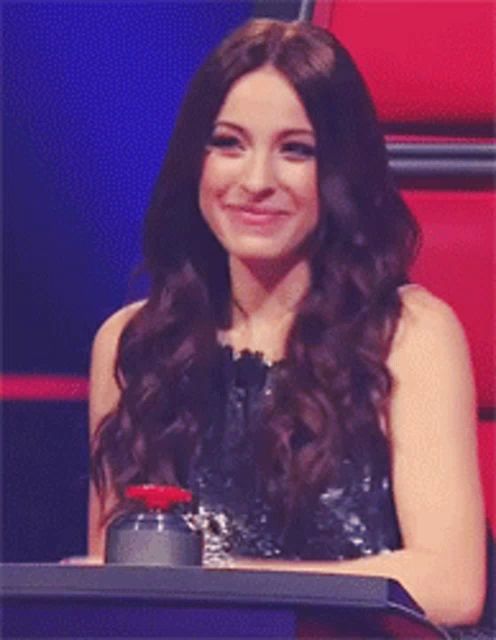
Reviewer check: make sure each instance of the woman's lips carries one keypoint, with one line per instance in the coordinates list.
(256, 216)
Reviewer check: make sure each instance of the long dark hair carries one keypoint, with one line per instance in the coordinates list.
(333, 389)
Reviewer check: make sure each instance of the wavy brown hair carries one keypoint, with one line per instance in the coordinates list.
(333, 389)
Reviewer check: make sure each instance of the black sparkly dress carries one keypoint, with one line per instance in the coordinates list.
(351, 518)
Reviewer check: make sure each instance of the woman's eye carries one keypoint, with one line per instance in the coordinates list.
(224, 142)
(298, 149)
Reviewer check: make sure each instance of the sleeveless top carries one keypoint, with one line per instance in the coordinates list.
(352, 517)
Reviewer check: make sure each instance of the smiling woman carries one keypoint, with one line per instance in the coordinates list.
(283, 367)
(258, 190)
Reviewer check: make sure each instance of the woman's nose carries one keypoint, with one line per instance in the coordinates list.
(258, 174)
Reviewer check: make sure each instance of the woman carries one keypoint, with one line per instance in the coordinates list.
(320, 407)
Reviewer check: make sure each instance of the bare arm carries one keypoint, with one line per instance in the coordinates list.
(103, 398)
(435, 470)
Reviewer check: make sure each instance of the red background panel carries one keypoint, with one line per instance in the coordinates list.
(457, 263)
(35, 388)
(486, 434)
(428, 61)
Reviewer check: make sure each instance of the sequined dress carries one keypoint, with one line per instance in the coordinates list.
(352, 518)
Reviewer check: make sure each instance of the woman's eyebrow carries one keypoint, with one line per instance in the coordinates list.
(230, 125)
(295, 132)
(284, 133)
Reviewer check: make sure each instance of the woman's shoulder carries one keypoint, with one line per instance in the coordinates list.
(104, 389)
(428, 330)
(425, 314)
(416, 299)
(111, 329)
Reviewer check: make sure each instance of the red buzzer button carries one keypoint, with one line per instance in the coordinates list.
(156, 496)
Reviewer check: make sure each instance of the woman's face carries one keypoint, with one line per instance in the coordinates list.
(258, 189)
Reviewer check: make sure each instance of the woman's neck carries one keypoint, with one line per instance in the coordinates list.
(264, 305)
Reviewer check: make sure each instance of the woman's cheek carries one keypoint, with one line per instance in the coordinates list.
(218, 173)
(215, 185)
(300, 179)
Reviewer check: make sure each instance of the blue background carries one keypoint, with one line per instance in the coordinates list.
(91, 92)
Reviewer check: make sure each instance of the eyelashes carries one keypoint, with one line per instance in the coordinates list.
(299, 149)
(224, 142)
(292, 149)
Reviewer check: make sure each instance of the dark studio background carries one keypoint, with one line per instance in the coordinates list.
(91, 92)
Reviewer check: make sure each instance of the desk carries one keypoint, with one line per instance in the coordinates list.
(55, 601)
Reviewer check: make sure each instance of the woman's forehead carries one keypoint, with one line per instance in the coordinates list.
(264, 97)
